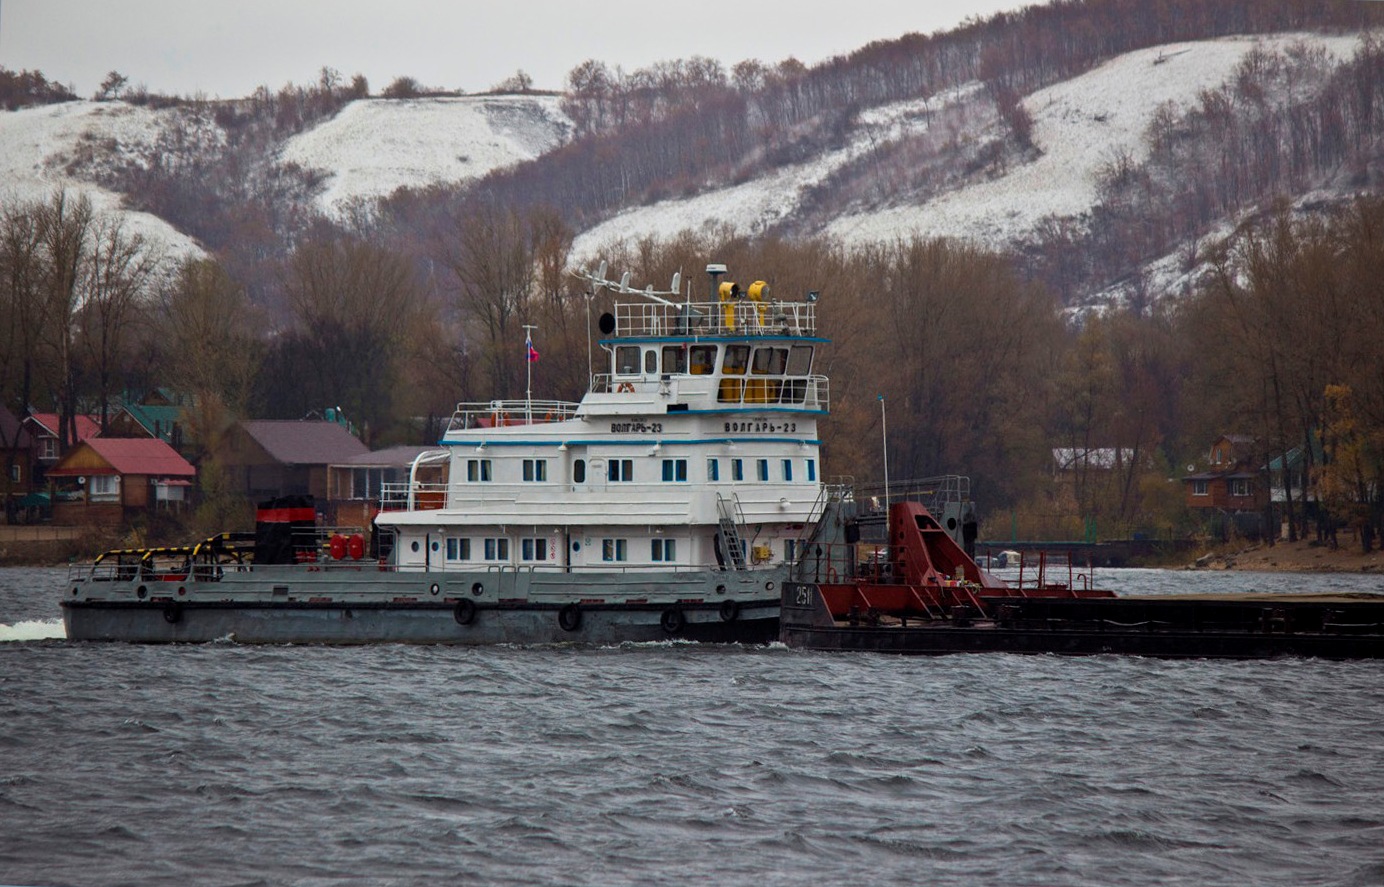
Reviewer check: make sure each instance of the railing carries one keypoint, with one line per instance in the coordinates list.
(741, 317)
(500, 413)
(809, 392)
(405, 496)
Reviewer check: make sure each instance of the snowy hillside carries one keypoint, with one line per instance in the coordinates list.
(1079, 126)
(374, 147)
(37, 145)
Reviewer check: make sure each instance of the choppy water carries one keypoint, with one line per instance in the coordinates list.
(674, 764)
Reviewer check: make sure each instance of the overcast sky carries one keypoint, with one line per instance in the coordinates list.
(226, 48)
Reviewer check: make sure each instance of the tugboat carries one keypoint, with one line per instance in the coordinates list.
(671, 502)
(923, 593)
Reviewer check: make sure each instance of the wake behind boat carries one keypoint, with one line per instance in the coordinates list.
(670, 502)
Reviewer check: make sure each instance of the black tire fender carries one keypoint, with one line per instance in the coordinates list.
(730, 610)
(464, 612)
(172, 614)
(569, 617)
(672, 621)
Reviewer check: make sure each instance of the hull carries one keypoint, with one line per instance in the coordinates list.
(293, 605)
(1322, 626)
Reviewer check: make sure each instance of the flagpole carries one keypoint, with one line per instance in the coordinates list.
(884, 434)
(528, 372)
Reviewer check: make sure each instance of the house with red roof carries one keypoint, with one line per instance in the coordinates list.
(43, 431)
(267, 458)
(117, 479)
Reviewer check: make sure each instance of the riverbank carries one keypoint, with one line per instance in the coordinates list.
(1293, 557)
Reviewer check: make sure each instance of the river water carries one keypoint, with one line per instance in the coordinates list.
(680, 763)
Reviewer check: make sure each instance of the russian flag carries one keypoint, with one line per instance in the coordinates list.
(528, 347)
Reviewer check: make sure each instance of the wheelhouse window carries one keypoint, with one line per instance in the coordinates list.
(535, 470)
(702, 359)
(737, 358)
(674, 360)
(627, 360)
(651, 362)
(620, 470)
(478, 470)
(663, 550)
(674, 470)
(614, 550)
(770, 361)
(799, 360)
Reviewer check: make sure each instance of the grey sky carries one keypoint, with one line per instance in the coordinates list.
(228, 47)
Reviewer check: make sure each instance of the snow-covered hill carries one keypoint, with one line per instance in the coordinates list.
(373, 147)
(37, 146)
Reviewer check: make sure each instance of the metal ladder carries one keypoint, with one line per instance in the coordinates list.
(728, 509)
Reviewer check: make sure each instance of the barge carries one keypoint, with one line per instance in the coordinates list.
(924, 594)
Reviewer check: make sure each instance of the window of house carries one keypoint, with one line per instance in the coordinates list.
(497, 549)
(1239, 487)
(663, 550)
(737, 469)
(620, 470)
(16, 473)
(674, 470)
(48, 448)
(105, 487)
(1199, 488)
(458, 549)
(533, 549)
(536, 470)
(478, 470)
(713, 470)
(613, 550)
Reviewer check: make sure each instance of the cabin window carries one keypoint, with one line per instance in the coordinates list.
(737, 358)
(663, 550)
(497, 549)
(762, 469)
(536, 470)
(790, 550)
(737, 469)
(674, 470)
(674, 359)
(579, 471)
(788, 469)
(105, 488)
(533, 549)
(651, 362)
(812, 470)
(799, 360)
(613, 550)
(770, 361)
(1199, 488)
(703, 359)
(713, 470)
(458, 549)
(620, 470)
(478, 470)
(627, 360)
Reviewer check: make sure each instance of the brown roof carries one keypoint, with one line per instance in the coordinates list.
(390, 457)
(304, 441)
(12, 433)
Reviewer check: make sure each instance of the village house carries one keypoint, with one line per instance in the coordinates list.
(268, 458)
(354, 486)
(1233, 489)
(117, 479)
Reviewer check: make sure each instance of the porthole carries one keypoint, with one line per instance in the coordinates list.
(414, 546)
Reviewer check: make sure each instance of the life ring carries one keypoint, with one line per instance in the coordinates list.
(626, 388)
(672, 621)
(569, 617)
(172, 614)
(730, 610)
(464, 612)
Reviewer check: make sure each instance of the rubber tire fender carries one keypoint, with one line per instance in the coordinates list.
(730, 610)
(569, 618)
(464, 612)
(172, 614)
(672, 621)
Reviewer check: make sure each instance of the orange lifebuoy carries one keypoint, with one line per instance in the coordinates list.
(625, 388)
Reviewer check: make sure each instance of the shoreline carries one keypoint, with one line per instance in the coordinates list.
(1307, 556)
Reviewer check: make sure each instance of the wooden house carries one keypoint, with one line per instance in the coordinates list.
(354, 486)
(267, 458)
(116, 479)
